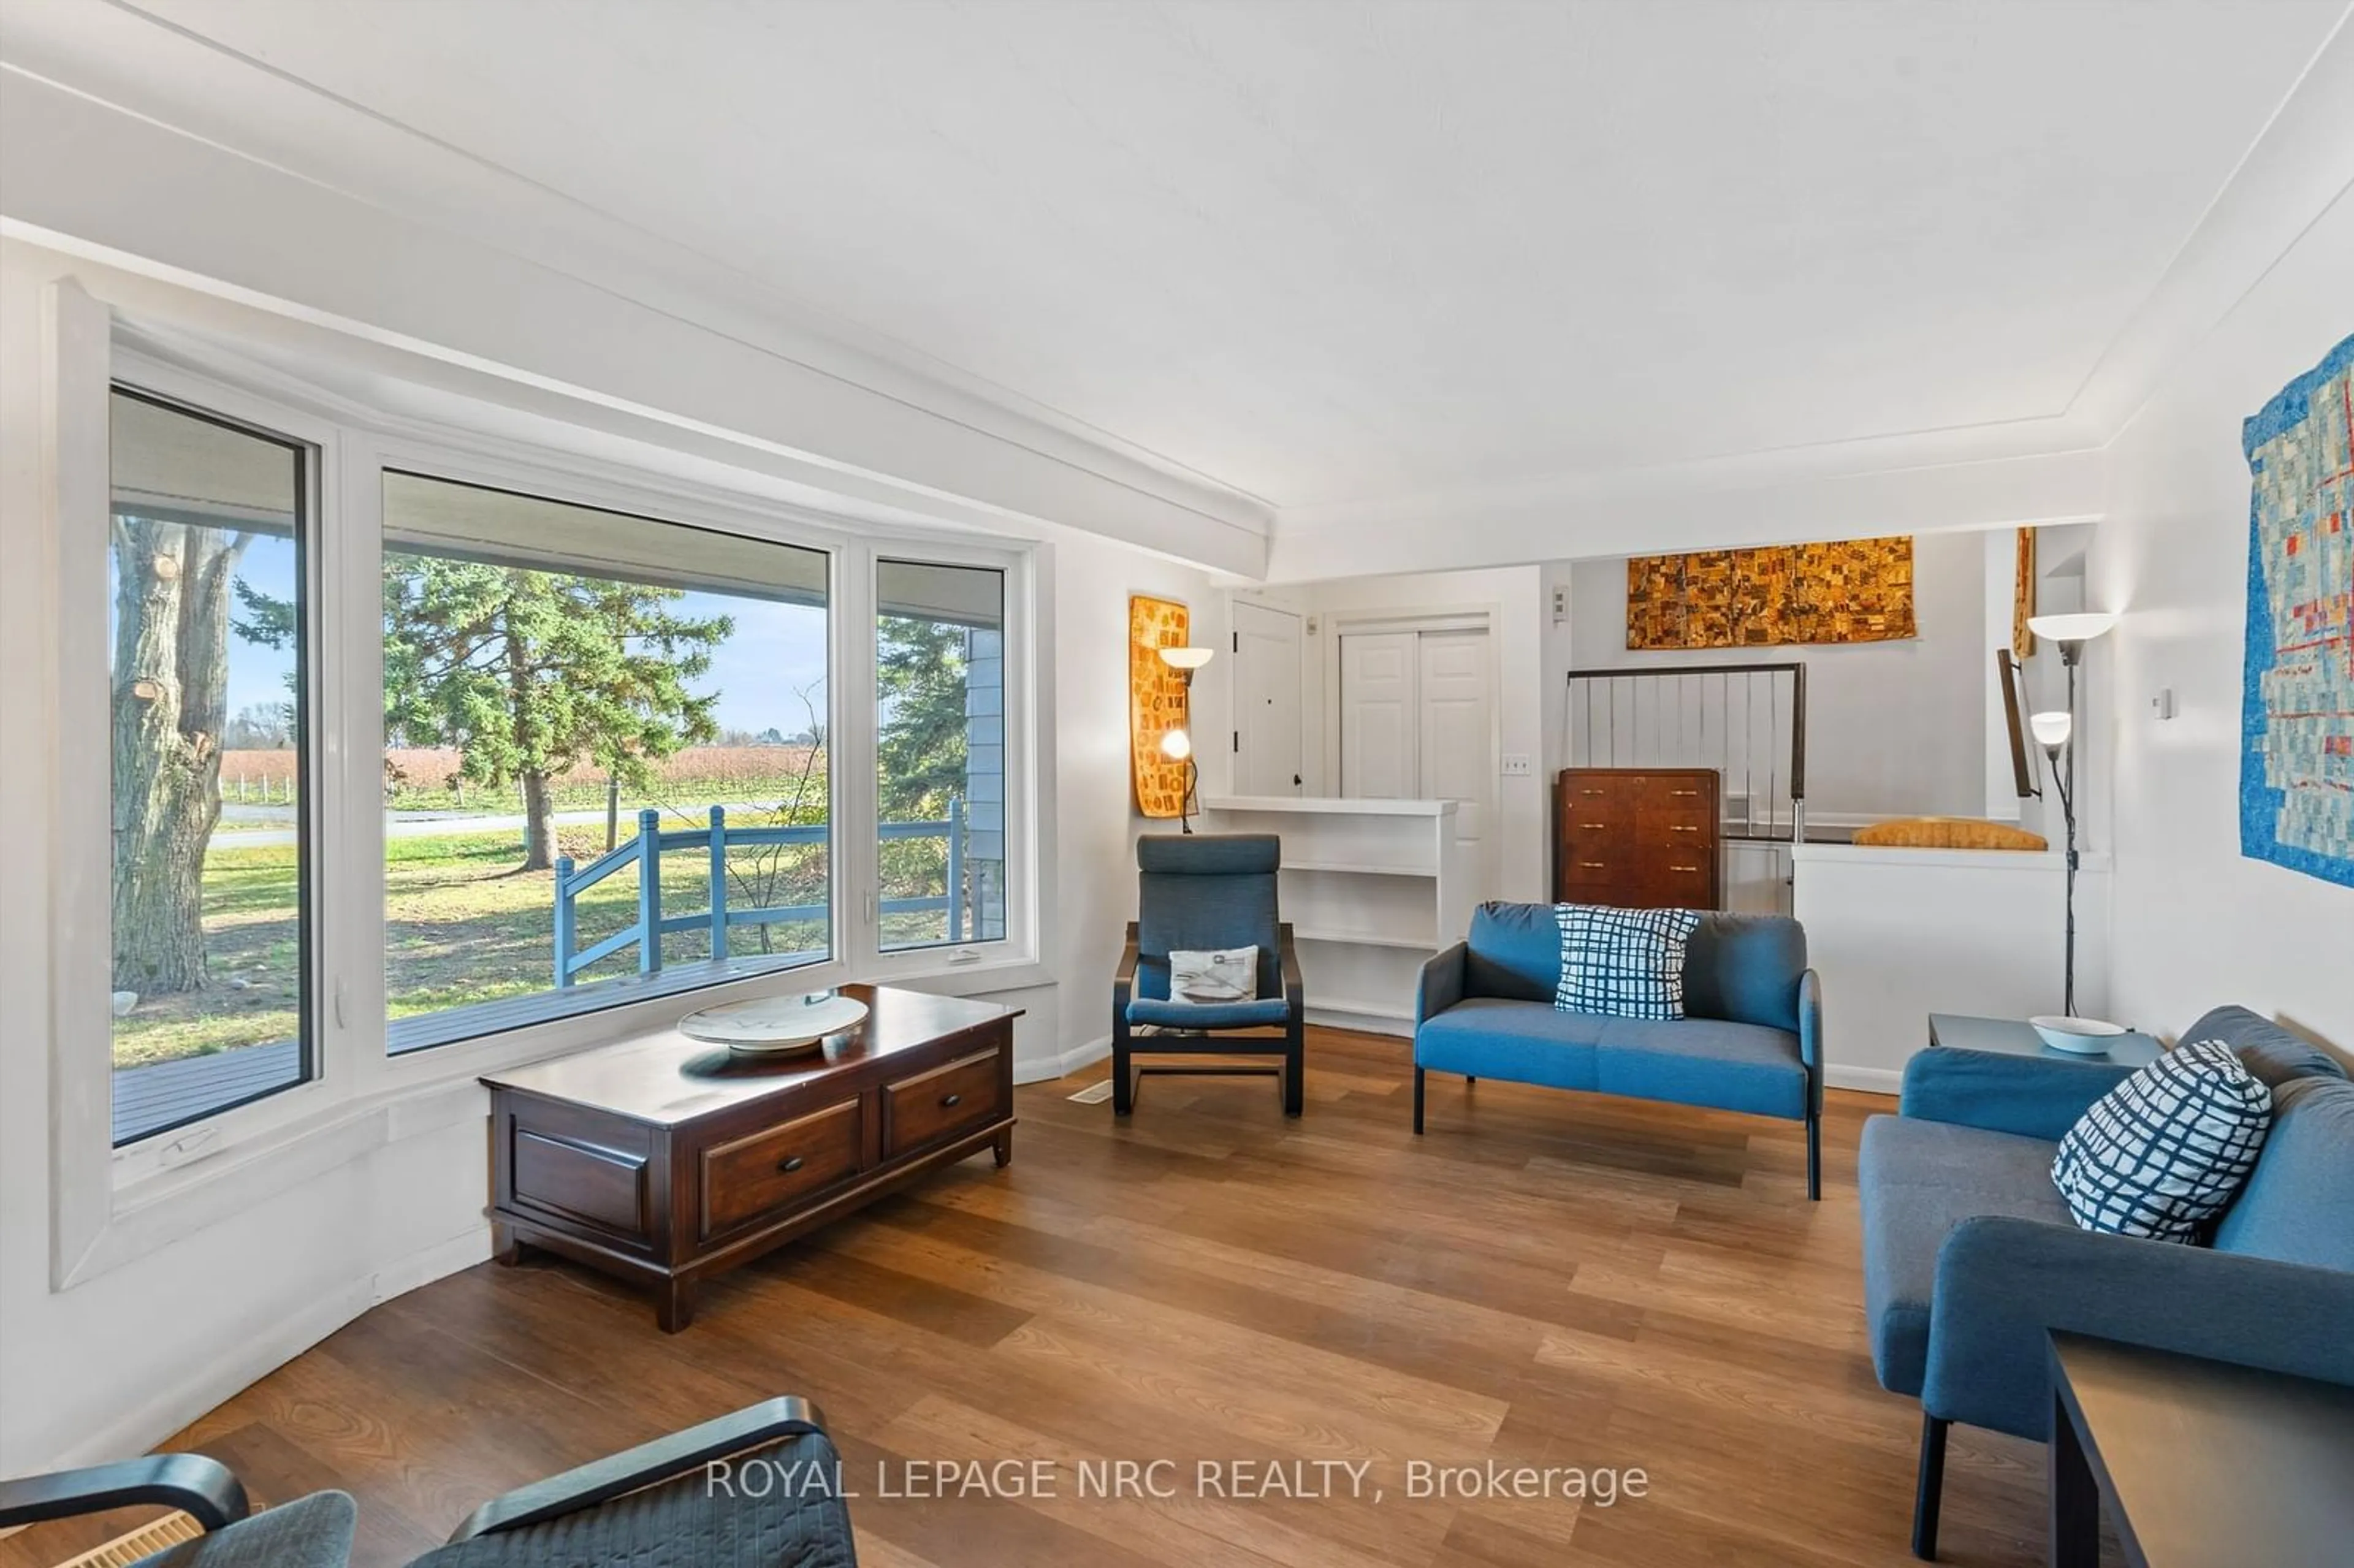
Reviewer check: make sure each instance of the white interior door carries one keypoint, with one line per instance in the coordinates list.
(1268, 742)
(1379, 733)
(1457, 740)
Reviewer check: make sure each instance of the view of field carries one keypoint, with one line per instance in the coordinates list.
(426, 779)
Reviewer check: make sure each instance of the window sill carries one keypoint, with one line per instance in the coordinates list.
(308, 1130)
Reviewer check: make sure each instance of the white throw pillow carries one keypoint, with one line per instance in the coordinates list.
(1214, 978)
(2163, 1152)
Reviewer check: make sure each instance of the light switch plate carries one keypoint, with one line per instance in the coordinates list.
(2162, 704)
(1517, 765)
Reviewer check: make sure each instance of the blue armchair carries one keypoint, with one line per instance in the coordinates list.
(1201, 892)
(1971, 1258)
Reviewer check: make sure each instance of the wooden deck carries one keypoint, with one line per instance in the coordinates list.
(1545, 1279)
(149, 1098)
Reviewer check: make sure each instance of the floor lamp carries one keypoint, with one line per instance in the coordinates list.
(1178, 744)
(2055, 732)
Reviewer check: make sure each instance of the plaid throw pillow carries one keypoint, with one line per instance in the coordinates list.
(2162, 1153)
(1623, 963)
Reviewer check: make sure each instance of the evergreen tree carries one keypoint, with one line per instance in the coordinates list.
(919, 667)
(530, 673)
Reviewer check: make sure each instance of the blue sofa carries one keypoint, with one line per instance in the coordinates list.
(1751, 1040)
(1971, 1258)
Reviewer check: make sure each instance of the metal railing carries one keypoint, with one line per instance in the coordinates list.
(1746, 721)
(714, 839)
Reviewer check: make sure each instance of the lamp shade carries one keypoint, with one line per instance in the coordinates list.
(2051, 729)
(2078, 628)
(1177, 746)
(1186, 659)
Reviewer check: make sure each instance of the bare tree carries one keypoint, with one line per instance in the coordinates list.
(172, 601)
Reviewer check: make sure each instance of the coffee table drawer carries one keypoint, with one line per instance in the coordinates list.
(963, 1093)
(747, 1176)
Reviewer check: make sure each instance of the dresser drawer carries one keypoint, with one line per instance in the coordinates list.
(747, 1176)
(965, 1093)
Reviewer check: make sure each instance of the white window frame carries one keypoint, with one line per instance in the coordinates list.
(113, 1205)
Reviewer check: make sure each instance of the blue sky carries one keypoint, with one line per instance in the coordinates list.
(776, 650)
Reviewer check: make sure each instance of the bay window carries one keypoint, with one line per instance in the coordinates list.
(551, 739)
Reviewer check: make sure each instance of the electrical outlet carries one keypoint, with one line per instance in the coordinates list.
(1517, 765)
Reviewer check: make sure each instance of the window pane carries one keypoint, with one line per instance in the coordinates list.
(211, 831)
(939, 640)
(557, 680)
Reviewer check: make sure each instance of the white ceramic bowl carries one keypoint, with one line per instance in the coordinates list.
(775, 1025)
(2085, 1037)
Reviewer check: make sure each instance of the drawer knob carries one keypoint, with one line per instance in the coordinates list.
(1684, 791)
(1683, 868)
(791, 1165)
(946, 1100)
(1589, 791)
(1681, 828)
(1594, 865)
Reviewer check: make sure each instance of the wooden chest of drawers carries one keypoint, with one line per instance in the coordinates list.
(1641, 837)
(665, 1161)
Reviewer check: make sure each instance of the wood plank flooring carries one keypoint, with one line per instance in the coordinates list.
(1545, 1279)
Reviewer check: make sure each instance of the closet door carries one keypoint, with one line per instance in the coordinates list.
(1380, 725)
(1458, 741)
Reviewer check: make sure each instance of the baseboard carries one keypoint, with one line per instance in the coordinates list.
(1370, 1022)
(1044, 1069)
(1871, 1080)
(254, 1356)
(267, 1348)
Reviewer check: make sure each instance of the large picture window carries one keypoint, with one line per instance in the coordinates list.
(939, 676)
(207, 744)
(607, 757)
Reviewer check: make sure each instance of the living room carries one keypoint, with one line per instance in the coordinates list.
(700, 694)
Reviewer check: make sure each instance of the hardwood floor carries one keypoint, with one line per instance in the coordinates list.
(1544, 1279)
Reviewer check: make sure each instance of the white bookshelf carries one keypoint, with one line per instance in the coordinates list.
(1372, 888)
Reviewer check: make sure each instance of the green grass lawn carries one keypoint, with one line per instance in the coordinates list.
(464, 925)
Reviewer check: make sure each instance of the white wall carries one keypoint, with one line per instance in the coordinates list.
(1514, 595)
(2197, 924)
(1893, 728)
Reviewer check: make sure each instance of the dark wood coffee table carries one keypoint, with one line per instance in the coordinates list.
(2199, 1462)
(665, 1161)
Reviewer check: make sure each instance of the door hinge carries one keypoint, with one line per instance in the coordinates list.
(1238, 743)
(1238, 642)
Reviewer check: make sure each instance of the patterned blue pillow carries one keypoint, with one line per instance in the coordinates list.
(2163, 1152)
(1623, 963)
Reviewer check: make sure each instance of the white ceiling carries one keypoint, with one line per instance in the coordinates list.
(1331, 252)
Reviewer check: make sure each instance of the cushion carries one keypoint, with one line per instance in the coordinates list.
(1950, 832)
(313, 1531)
(1702, 1062)
(1219, 975)
(1515, 950)
(2163, 1152)
(1274, 1010)
(2298, 1207)
(1204, 891)
(801, 1519)
(1498, 1037)
(1917, 1180)
(1745, 967)
(1623, 963)
(2264, 1048)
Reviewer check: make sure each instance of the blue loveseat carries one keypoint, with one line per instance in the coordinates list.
(1751, 1039)
(1971, 1258)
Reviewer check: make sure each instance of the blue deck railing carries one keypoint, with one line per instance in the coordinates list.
(714, 839)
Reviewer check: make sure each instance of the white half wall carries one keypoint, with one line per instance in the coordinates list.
(2197, 924)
